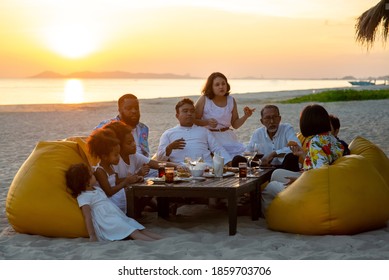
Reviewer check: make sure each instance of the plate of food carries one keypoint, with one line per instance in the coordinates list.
(233, 169)
(198, 179)
(255, 175)
(156, 179)
(161, 180)
(183, 174)
(226, 174)
(184, 179)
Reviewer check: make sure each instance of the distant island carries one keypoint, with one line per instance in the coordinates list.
(109, 75)
(129, 75)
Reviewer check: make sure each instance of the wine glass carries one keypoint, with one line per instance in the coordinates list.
(256, 158)
(249, 154)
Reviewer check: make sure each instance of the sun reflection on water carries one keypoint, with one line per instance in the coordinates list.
(73, 91)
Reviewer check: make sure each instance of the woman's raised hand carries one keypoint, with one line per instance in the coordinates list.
(248, 111)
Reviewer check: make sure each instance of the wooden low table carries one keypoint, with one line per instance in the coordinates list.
(227, 187)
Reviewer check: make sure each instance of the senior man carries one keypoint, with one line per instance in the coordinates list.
(272, 139)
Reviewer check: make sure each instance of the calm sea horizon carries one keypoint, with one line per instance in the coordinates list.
(63, 91)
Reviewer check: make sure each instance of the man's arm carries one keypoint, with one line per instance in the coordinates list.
(164, 141)
(290, 135)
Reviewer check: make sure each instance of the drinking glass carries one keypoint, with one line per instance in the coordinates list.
(161, 169)
(249, 154)
(256, 159)
(169, 175)
(243, 170)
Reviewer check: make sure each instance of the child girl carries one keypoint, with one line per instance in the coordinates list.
(131, 162)
(103, 219)
(217, 111)
(102, 143)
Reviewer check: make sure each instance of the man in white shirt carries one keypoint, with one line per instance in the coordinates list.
(272, 139)
(188, 139)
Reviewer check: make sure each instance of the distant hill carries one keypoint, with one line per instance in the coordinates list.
(348, 78)
(110, 75)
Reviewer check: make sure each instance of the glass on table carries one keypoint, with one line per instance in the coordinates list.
(161, 169)
(169, 175)
(243, 170)
(258, 162)
(250, 153)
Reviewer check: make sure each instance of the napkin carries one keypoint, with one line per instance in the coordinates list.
(218, 164)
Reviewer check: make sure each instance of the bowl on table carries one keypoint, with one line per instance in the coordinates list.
(198, 169)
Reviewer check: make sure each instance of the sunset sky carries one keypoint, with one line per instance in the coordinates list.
(268, 39)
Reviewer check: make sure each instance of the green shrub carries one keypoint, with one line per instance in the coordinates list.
(340, 95)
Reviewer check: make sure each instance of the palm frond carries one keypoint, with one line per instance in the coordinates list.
(371, 21)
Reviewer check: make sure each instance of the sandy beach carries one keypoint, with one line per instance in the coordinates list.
(196, 232)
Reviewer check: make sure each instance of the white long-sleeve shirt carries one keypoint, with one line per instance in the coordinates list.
(284, 134)
(199, 141)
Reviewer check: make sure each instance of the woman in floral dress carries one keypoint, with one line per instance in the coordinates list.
(321, 148)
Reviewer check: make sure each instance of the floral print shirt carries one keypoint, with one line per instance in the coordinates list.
(322, 149)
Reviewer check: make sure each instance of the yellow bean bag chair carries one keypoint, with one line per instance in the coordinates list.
(38, 201)
(81, 141)
(348, 197)
(373, 154)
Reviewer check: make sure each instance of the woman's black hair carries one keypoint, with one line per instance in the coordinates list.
(314, 120)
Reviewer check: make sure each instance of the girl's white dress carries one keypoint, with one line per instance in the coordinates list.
(223, 115)
(109, 222)
(122, 169)
(119, 198)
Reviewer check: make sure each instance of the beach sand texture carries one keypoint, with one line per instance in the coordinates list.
(197, 232)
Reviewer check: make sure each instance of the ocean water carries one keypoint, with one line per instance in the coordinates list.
(58, 91)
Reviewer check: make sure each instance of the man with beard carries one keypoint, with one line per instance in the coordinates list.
(129, 113)
(272, 140)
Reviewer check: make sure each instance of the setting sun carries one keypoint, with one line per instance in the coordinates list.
(72, 41)
(245, 38)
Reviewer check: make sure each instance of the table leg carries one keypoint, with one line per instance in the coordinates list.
(255, 204)
(260, 202)
(232, 214)
(163, 207)
(138, 206)
(130, 202)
